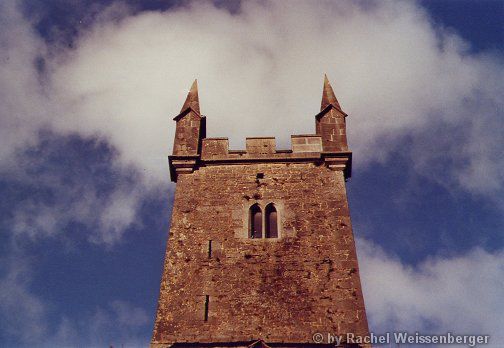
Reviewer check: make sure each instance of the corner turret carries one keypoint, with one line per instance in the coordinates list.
(189, 133)
(190, 125)
(330, 122)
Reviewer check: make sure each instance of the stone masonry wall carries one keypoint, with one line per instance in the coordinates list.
(331, 125)
(278, 290)
(187, 134)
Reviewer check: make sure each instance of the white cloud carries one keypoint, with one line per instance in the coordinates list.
(128, 75)
(27, 105)
(119, 324)
(26, 317)
(128, 315)
(24, 107)
(393, 73)
(65, 187)
(461, 295)
(22, 312)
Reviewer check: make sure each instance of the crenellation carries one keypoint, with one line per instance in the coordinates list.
(306, 143)
(262, 148)
(258, 146)
(215, 148)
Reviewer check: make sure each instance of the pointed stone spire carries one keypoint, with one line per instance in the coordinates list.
(328, 96)
(192, 99)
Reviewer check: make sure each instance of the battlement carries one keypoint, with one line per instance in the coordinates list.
(192, 149)
(302, 146)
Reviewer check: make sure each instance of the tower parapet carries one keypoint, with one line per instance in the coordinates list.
(330, 121)
(328, 146)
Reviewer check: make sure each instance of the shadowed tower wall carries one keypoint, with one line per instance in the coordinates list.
(225, 283)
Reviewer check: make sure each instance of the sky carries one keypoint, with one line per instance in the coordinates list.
(88, 90)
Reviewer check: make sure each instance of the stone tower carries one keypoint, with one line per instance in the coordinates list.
(261, 250)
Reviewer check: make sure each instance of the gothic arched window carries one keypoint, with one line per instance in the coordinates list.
(255, 223)
(271, 221)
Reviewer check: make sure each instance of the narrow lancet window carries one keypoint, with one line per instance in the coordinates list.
(255, 221)
(271, 221)
(207, 303)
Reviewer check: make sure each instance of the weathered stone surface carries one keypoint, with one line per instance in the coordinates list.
(187, 134)
(222, 288)
(191, 127)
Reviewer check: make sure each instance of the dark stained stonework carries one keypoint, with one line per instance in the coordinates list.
(221, 288)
